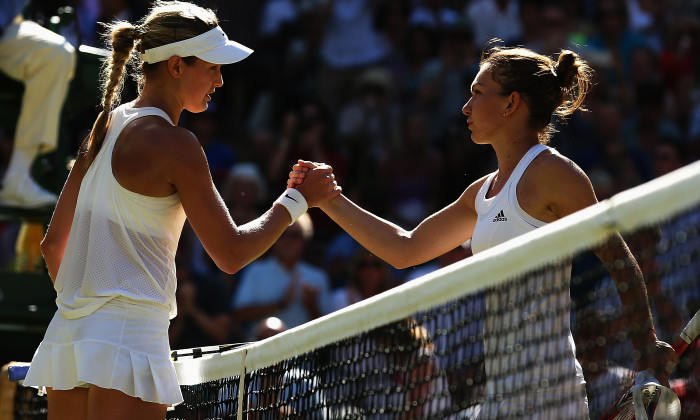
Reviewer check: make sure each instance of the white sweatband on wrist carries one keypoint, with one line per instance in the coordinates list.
(294, 202)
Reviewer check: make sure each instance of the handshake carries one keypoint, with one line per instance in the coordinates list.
(315, 181)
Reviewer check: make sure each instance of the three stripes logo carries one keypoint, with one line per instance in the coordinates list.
(500, 217)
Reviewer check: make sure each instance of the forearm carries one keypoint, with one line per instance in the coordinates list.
(52, 248)
(631, 289)
(53, 262)
(381, 237)
(234, 247)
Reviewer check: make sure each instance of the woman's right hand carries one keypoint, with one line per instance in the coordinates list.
(298, 173)
(315, 182)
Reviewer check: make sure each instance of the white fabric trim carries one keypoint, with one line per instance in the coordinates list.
(294, 202)
(212, 46)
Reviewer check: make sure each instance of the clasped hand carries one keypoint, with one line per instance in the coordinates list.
(315, 181)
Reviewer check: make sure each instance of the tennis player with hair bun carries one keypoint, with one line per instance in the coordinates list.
(513, 98)
(110, 247)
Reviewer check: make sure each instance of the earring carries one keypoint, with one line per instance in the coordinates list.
(504, 114)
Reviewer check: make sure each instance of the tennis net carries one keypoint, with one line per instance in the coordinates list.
(491, 334)
(508, 333)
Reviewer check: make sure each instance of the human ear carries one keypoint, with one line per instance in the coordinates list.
(512, 103)
(175, 66)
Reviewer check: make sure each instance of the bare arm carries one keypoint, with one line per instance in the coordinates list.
(230, 246)
(54, 243)
(569, 190)
(434, 236)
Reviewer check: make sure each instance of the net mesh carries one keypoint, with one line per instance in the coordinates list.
(533, 328)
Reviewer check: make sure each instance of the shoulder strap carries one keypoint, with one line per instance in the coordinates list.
(525, 161)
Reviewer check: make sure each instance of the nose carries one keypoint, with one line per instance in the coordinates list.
(466, 109)
(219, 79)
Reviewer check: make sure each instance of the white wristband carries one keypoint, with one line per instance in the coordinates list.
(294, 202)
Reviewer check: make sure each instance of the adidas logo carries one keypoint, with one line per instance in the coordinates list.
(500, 217)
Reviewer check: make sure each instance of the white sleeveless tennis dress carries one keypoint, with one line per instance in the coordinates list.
(116, 286)
(530, 359)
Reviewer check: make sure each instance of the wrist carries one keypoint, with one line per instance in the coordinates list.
(332, 202)
(651, 335)
(294, 202)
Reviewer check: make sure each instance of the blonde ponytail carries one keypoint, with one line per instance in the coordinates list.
(123, 35)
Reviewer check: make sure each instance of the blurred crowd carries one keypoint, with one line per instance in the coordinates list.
(375, 88)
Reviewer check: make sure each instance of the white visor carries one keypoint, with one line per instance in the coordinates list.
(212, 46)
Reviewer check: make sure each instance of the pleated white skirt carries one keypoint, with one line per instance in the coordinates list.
(121, 346)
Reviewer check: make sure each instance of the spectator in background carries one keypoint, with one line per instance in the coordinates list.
(391, 18)
(203, 312)
(89, 14)
(613, 153)
(669, 155)
(306, 131)
(44, 62)
(440, 82)
(350, 43)
(676, 269)
(406, 349)
(647, 17)
(282, 285)
(614, 37)
(548, 25)
(244, 191)
(283, 390)
(434, 14)
(422, 46)
(494, 19)
(411, 183)
(368, 129)
(368, 276)
(647, 124)
(220, 154)
(679, 65)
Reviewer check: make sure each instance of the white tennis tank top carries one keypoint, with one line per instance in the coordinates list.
(501, 218)
(529, 349)
(121, 244)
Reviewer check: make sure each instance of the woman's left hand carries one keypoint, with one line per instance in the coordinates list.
(298, 173)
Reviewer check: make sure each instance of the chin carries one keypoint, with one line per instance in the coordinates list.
(476, 139)
(198, 109)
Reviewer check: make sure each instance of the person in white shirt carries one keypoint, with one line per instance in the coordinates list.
(283, 285)
(514, 97)
(110, 247)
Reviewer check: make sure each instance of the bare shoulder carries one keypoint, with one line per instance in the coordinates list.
(557, 169)
(152, 155)
(170, 145)
(558, 185)
(166, 139)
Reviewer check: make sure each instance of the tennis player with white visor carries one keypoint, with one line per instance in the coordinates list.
(111, 244)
